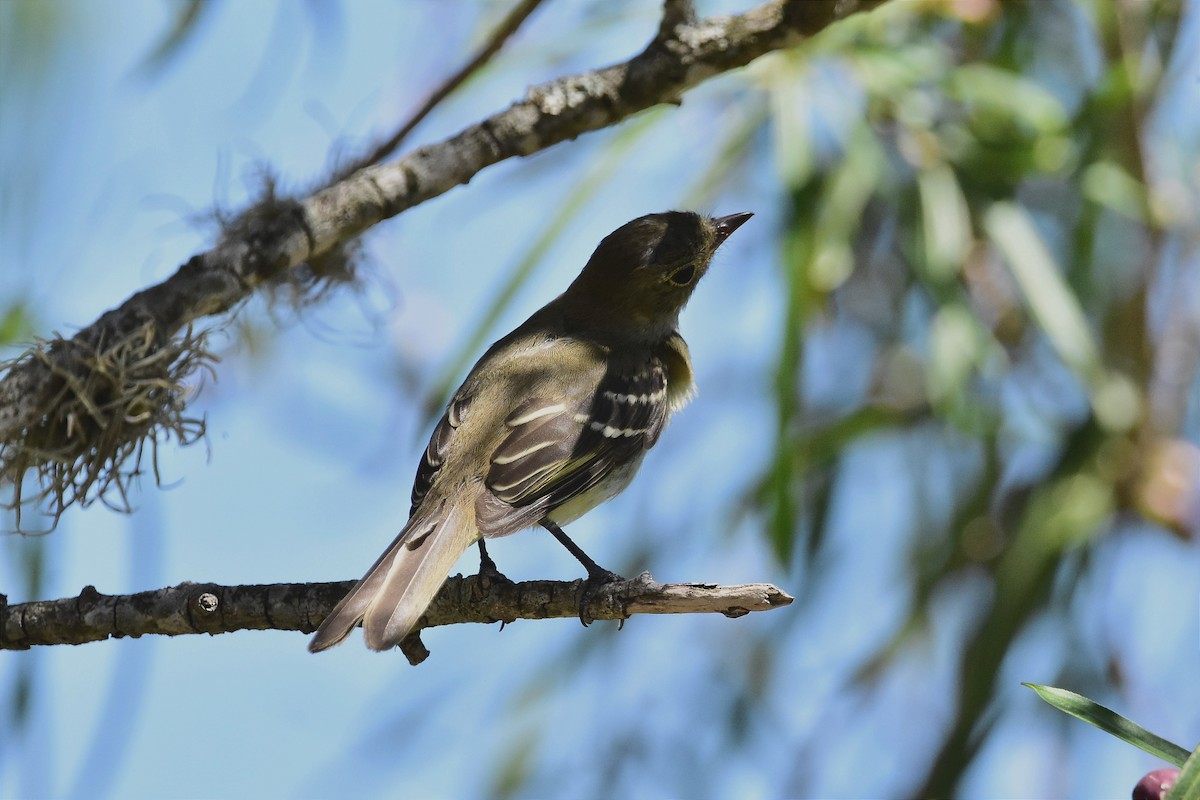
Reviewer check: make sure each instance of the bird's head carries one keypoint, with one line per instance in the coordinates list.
(643, 273)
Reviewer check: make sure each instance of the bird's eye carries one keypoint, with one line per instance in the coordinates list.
(682, 277)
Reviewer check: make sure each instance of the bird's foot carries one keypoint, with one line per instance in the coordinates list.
(488, 574)
(596, 580)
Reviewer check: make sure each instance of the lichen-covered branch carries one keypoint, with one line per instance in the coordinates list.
(278, 237)
(209, 608)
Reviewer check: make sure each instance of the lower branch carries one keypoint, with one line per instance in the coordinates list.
(209, 608)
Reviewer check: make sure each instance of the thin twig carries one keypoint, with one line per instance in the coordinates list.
(507, 27)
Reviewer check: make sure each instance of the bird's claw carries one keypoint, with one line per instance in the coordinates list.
(488, 573)
(596, 580)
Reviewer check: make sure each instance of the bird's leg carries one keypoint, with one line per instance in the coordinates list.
(597, 577)
(487, 567)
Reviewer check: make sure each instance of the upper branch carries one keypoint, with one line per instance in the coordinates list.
(75, 424)
(289, 232)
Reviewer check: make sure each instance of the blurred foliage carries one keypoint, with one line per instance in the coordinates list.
(991, 218)
(16, 324)
(971, 184)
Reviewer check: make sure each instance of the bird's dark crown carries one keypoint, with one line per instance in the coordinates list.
(643, 273)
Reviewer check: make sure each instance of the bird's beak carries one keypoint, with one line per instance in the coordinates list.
(727, 225)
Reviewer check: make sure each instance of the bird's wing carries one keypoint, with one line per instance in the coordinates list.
(556, 449)
(439, 445)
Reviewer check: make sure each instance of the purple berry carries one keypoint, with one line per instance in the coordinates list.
(1156, 784)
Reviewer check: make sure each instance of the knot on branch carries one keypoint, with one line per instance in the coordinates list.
(207, 602)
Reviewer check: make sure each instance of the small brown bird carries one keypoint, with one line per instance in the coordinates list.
(553, 420)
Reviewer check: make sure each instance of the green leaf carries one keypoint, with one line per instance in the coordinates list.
(1049, 298)
(956, 348)
(16, 324)
(945, 220)
(1107, 183)
(1187, 785)
(1110, 721)
(1010, 94)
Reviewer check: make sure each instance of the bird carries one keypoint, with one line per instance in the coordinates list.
(554, 419)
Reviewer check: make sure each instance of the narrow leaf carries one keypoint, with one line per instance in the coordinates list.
(1187, 785)
(1052, 302)
(1111, 722)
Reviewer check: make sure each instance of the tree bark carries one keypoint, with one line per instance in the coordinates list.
(191, 608)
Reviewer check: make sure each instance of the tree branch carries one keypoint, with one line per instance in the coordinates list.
(41, 406)
(208, 608)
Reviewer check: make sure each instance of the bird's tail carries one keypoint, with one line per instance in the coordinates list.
(395, 592)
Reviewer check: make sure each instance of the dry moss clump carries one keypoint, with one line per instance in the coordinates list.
(300, 285)
(112, 402)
